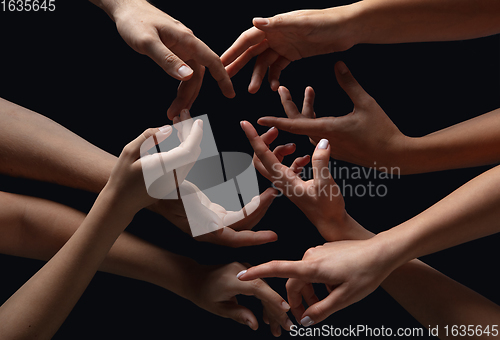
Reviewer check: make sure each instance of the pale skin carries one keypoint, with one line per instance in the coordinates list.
(82, 245)
(286, 37)
(367, 136)
(67, 159)
(363, 261)
(171, 45)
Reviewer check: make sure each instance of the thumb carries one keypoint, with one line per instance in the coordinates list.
(320, 159)
(280, 21)
(350, 85)
(167, 60)
(322, 309)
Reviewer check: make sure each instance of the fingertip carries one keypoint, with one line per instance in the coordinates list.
(306, 321)
(184, 72)
(260, 22)
(275, 85)
(323, 144)
(264, 121)
(229, 93)
(341, 68)
(240, 274)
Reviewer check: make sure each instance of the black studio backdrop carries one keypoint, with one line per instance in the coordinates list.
(72, 66)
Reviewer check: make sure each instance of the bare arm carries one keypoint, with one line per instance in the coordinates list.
(431, 297)
(59, 284)
(388, 21)
(35, 147)
(171, 45)
(368, 137)
(37, 228)
(286, 37)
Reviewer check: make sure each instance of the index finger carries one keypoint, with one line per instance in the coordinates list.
(310, 127)
(244, 238)
(268, 158)
(283, 269)
(206, 57)
(247, 39)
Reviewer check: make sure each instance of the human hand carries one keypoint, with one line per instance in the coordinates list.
(366, 136)
(172, 46)
(237, 234)
(350, 269)
(127, 176)
(214, 288)
(318, 198)
(287, 37)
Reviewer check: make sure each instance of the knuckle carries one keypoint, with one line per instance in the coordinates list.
(170, 59)
(309, 252)
(257, 284)
(289, 285)
(236, 266)
(316, 310)
(144, 43)
(278, 19)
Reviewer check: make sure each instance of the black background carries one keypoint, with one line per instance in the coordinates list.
(72, 66)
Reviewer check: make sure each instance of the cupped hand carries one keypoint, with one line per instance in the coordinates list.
(214, 288)
(350, 269)
(287, 37)
(128, 177)
(173, 47)
(366, 136)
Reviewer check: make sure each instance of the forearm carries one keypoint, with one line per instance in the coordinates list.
(111, 6)
(436, 300)
(390, 21)
(40, 306)
(429, 296)
(35, 147)
(471, 143)
(36, 228)
(468, 213)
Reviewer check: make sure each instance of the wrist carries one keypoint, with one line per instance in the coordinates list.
(413, 156)
(393, 249)
(114, 7)
(344, 228)
(187, 278)
(117, 202)
(348, 19)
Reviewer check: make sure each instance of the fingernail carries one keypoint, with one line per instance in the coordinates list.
(271, 129)
(185, 112)
(240, 273)
(285, 305)
(261, 21)
(288, 324)
(184, 71)
(342, 68)
(323, 144)
(290, 144)
(165, 129)
(306, 321)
